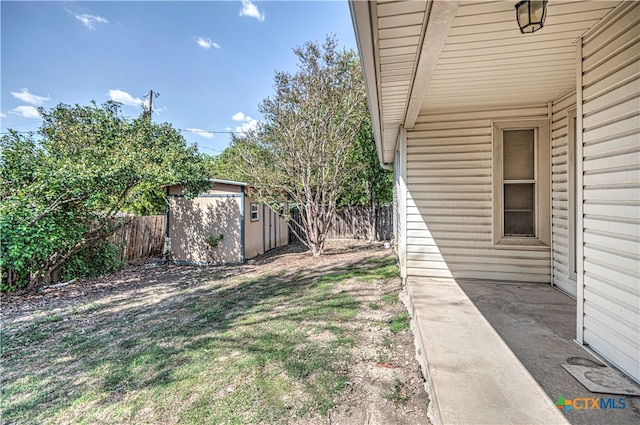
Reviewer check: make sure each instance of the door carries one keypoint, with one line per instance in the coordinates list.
(572, 201)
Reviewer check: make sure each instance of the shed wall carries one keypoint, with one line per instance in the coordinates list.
(610, 81)
(225, 188)
(560, 180)
(217, 188)
(252, 230)
(191, 221)
(449, 200)
(283, 232)
(268, 232)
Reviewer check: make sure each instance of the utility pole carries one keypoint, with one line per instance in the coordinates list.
(151, 95)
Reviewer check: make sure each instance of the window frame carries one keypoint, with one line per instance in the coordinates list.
(252, 212)
(542, 187)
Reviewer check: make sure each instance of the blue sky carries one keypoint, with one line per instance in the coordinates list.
(211, 61)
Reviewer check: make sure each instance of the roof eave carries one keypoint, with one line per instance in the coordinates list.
(365, 39)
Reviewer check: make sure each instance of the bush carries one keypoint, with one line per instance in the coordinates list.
(96, 260)
(63, 189)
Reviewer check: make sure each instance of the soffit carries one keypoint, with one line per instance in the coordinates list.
(487, 62)
(399, 35)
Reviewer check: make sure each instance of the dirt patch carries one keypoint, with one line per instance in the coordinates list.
(383, 383)
(387, 385)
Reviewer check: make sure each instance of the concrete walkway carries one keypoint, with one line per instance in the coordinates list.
(492, 353)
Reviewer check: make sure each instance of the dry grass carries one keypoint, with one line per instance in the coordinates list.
(252, 344)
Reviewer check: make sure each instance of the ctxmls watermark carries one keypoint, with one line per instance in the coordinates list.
(590, 403)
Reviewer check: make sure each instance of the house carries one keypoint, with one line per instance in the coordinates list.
(224, 225)
(516, 155)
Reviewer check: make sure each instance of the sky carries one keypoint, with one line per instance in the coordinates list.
(212, 62)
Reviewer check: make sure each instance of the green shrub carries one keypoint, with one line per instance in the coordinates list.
(63, 189)
(96, 260)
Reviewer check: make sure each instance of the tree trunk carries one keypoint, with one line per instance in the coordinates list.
(60, 257)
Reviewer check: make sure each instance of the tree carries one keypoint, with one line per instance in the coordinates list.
(301, 149)
(63, 190)
(229, 165)
(366, 183)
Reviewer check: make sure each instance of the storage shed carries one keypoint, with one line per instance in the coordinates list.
(224, 225)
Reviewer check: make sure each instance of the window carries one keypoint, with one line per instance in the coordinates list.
(254, 214)
(521, 214)
(519, 182)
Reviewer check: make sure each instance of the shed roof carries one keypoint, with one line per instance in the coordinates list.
(227, 182)
(231, 182)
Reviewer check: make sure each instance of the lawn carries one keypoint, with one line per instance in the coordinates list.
(275, 341)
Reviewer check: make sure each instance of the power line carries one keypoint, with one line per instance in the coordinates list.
(179, 129)
(211, 149)
(20, 132)
(24, 123)
(212, 132)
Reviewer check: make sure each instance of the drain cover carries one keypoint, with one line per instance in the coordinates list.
(603, 380)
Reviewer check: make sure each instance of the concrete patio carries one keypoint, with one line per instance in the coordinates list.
(493, 352)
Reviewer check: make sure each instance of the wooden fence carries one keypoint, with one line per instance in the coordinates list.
(358, 222)
(141, 237)
(144, 236)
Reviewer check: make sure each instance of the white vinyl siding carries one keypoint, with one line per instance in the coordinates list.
(449, 200)
(560, 180)
(611, 181)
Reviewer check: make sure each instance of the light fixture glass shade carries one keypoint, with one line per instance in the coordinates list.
(531, 15)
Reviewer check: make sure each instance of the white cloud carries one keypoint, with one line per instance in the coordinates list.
(200, 132)
(251, 10)
(31, 98)
(249, 125)
(3, 115)
(25, 111)
(88, 20)
(206, 43)
(125, 98)
(238, 117)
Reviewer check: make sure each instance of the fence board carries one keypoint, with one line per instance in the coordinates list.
(357, 222)
(141, 237)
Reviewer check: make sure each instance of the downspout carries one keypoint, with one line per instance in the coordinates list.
(550, 200)
(385, 166)
(579, 195)
(242, 225)
(167, 240)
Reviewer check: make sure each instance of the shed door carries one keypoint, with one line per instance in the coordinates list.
(268, 229)
(272, 239)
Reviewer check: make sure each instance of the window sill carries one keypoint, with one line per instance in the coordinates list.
(526, 243)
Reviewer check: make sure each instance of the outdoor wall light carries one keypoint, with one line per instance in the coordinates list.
(530, 15)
